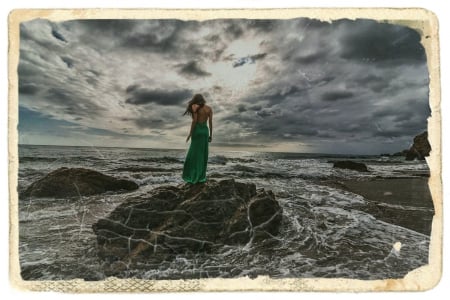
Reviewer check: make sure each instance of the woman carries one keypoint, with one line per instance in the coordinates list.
(194, 170)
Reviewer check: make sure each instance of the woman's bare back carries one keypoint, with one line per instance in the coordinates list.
(203, 113)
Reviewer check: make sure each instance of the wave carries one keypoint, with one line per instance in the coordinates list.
(144, 169)
(164, 159)
(60, 159)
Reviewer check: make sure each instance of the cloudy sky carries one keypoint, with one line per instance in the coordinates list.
(296, 85)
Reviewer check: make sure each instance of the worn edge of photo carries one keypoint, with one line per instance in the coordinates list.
(420, 279)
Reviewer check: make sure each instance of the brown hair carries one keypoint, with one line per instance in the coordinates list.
(197, 99)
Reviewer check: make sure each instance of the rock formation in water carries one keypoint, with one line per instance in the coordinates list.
(347, 164)
(72, 182)
(420, 148)
(188, 219)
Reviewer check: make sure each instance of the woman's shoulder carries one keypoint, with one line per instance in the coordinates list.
(195, 107)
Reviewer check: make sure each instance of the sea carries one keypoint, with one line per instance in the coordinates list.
(324, 232)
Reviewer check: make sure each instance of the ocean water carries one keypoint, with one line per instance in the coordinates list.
(324, 231)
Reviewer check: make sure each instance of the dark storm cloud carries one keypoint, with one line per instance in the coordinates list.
(26, 69)
(375, 41)
(105, 26)
(277, 95)
(234, 29)
(148, 123)
(241, 108)
(59, 95)
(58, 35)
(151, 41)
(310, 58)
(314, 24)
(157, 36)
(28, 88)
(71, 103)
(68, 61)
(131, 88)
(262, 25)
(375, 83)
(139, 96)
(335, 82)
(192, 69)
(336, 95)
(303, 97)
(255, 57)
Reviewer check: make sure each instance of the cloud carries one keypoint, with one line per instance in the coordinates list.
(345, 86)
(68, 61)
(250, 59)
(336, 95)
(192, 70)
(28, 89)
(58, 35)
(262, 25)
(140, 96)
(234, 29)
(375, 41)
(70, 103)
(309, 58)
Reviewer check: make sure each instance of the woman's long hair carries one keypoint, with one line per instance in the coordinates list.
(197, 99)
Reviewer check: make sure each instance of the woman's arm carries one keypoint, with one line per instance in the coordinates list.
(210, 125)
(194, 121)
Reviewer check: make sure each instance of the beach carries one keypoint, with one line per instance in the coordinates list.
(405, 202)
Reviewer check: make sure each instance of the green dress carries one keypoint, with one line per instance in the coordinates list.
(194, 169)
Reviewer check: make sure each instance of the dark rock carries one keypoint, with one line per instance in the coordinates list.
(188, 219)
(71, 182)
(348, 164)
(420, 148)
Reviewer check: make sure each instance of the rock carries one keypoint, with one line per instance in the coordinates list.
(187, 219)
(420, 148)
(348, 164)
(72, 182)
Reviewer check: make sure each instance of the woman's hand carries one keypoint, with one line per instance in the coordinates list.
(209, 139)
(187, 139)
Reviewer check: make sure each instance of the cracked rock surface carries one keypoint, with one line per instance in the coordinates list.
(187, 219)
(73, 182)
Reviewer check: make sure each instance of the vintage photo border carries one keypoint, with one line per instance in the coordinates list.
(423, 278)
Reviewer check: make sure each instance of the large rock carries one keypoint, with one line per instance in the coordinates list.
(188, 219)
(420, 148)
(348, 164)
(70, 182)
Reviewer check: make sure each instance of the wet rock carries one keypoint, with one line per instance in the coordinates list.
(420, 148)
(347, 164)
(188, 219)
(72, 182)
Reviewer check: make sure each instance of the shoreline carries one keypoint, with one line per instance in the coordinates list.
(404, 201)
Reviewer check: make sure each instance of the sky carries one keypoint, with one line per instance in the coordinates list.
(296, 85)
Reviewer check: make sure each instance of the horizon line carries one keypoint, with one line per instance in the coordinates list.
(259, 151)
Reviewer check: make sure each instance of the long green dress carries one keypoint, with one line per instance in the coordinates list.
(194, 169)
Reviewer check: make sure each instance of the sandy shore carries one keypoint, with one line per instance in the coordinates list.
(405, 202)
